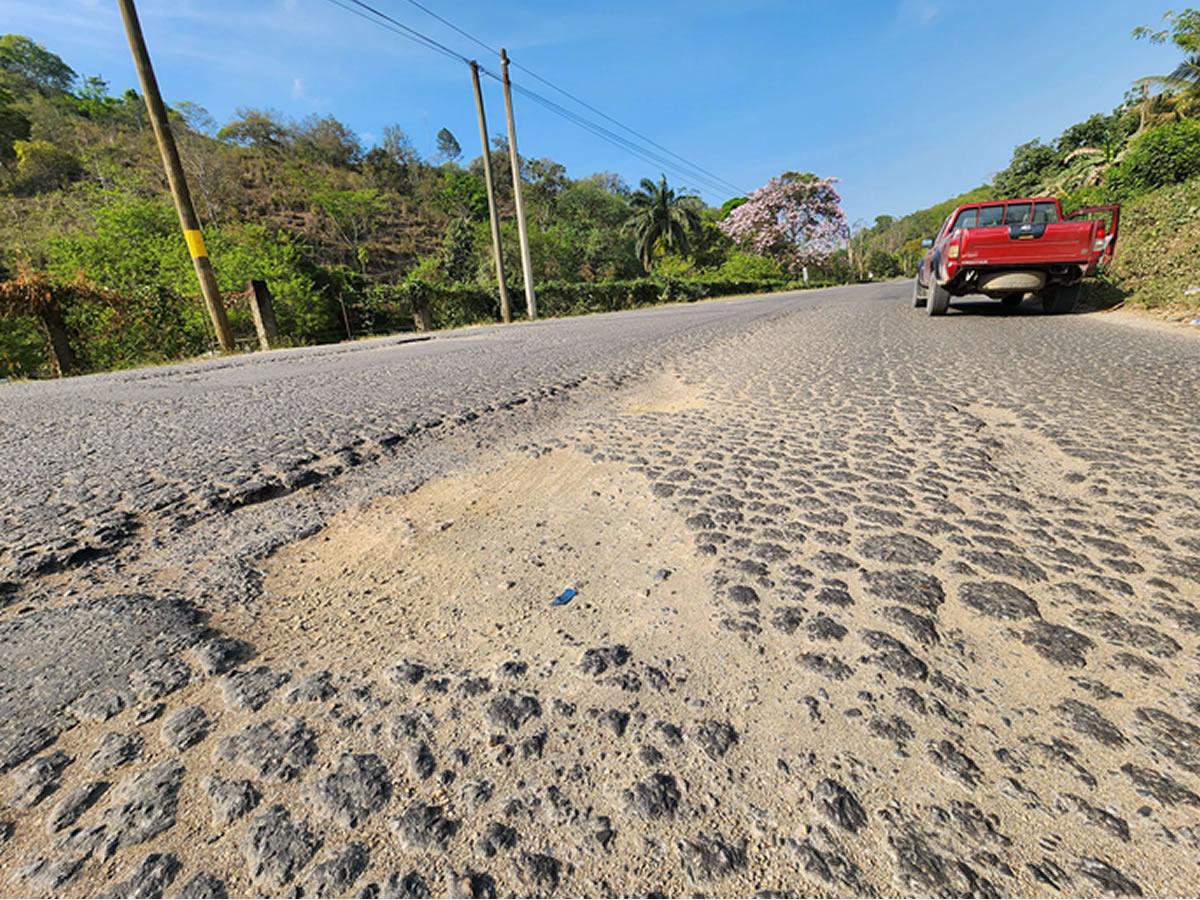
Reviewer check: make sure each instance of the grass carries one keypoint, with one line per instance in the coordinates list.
(1157, 263)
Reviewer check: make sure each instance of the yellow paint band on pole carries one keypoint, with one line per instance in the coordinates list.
(195, 242)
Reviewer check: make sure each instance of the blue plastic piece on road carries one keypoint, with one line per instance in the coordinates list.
(564, 598)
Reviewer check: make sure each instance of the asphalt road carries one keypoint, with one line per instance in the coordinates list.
(870, 603)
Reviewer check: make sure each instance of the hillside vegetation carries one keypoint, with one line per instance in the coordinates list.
(351, 239)
(1145, 155)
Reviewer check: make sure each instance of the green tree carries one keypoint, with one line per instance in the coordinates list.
(42, 167)
(351, 217)
(882, 264)
(1167, 154)
(1031, 163)
(458, 247)
(462, 194)
(742, 266)
(448, 147)
(14, 126)
(661, 215)
(323, 139)
(731, 204)
(393, 164)
(1183, 30)
(262, 129)
(1103, 132)
(547, 180)
(1090, 148)
(591, 217)
(32, 67)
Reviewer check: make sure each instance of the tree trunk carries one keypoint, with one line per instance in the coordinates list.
(62, 357)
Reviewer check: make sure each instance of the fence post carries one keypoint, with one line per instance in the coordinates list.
(262, 308)
(422, 315)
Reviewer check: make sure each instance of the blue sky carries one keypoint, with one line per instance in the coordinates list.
(906, 101)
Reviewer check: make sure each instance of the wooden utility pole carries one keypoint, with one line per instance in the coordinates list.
(493, 214)
(175, 176)
(530, 298)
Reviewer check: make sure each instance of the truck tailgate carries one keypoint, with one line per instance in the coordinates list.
(1004, 245)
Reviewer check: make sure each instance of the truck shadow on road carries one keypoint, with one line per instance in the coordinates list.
(1095, 297)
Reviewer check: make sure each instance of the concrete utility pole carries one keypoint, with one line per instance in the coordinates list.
(493, 214)
(175, 176)
(530, 299)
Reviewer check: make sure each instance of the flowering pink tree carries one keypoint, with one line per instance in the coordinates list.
(795, 219)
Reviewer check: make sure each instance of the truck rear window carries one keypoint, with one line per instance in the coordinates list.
(1044, 213)
(990, 216)
(1017, 213)
(968, 218)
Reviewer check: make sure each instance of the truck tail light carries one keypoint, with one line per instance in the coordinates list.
(1098, 243)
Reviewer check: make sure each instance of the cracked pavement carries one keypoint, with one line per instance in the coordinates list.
(868, 604)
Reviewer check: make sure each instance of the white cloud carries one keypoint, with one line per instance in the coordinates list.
(298, 88)
(920, 12)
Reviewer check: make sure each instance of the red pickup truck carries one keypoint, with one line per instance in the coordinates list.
(1008, 249)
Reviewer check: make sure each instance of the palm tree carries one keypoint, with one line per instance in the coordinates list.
(660, 214)
(1180, 94)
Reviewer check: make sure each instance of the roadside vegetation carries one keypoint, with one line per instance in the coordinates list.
(351, 239)
(1145, 155)
(356, 240)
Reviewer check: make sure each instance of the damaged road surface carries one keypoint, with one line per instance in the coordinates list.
(865, 607)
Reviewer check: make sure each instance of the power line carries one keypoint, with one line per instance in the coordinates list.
(673, 162)
(725, 185)
(470, 37)
(398, 27)
(719, 180)
(615, 139)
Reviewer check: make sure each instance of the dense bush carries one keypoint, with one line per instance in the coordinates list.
(1169, 154)
(147, 325)
(742, 266)
(392, 307)
(882, 264)
(134, 242)
(576, 298)
(41, 166)
(21, 348)
(396, 307)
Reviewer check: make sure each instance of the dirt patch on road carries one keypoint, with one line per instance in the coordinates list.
(466, 566)
(667, 393)
(1175, 321)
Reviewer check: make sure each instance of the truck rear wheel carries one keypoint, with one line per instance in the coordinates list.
(918, 297)
(937, 297)
(1058, 299)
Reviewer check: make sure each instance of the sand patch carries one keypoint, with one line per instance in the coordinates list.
(667, 393)
(466, 566)
(1030, 458)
